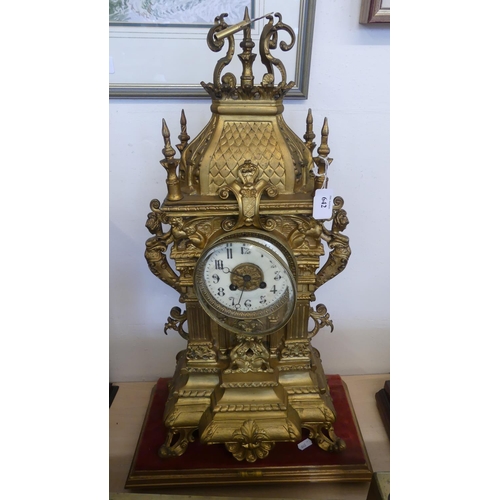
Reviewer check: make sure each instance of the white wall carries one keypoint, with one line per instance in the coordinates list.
(350, 85)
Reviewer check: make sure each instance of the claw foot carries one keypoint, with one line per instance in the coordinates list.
(325, 437)
(176, 443)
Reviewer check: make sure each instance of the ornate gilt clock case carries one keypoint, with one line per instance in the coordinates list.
(240, 201)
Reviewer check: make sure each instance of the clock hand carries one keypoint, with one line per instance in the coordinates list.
(246, 278)
(243, 289)
(228, 271)
(241, 295)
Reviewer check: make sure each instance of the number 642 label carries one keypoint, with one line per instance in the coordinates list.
(323, 204)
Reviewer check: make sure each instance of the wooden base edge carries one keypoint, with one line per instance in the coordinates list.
(153, 479)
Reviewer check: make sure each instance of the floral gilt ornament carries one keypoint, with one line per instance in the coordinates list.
(250, 443)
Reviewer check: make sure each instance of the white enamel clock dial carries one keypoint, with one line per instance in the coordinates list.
(246, 285)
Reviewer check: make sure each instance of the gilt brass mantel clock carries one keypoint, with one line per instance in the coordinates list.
(237, 223)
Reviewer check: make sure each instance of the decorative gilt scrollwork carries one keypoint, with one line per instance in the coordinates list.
(248, 190)
(321, 318)
(228, 82)
(338, 244)
(296, 349)
(250, 443)
(325, 437)
(176, 321)
(268, 41)
(156, 248)
(225, 87)
(176, 442)
(200, 351)
(307, 233)
(191, 232)
(249, 355)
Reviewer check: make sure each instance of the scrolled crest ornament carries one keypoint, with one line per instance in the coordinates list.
(226, 85)
(268, 41)
(248, 190)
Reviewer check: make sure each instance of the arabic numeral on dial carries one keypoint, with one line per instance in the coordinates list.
(232, 299)
(263, 299)
(219, 264)
(277, 275)
(245, 250)
(216, 278)
(247, 303)
(273, 289)
(220, 292)
(229, 252)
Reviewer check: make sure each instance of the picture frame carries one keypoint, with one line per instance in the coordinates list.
(139, 53)
(375, 11)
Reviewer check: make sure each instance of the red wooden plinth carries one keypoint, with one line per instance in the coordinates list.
(213, 464)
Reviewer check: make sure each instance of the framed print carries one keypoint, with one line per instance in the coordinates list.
(175, 12)
(375, 11)
(158, 48)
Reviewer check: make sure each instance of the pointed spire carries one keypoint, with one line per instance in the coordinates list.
(170, 165)
(168, 151)
(323, 149)
(183, 136)
(322, 161)
(309, 135)
(247, 57)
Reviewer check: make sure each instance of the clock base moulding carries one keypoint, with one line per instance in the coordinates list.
(206, 464)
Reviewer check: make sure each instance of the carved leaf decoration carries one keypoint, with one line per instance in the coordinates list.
(176, 321)
(321, 318)
(251, 443)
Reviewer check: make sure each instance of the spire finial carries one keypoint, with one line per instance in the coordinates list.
(183, 136)
(170, 165)
(322, 161)
(323, 149)
(309, 135)
(247, 57)
(168, 151)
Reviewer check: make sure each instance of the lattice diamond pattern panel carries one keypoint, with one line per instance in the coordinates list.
(240, 141)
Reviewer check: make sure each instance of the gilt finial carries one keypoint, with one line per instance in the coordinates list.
(247, 57)
(322, 161)
(323, 149)
(183, 136)
(168, 151)
(309, 135)
(170, 165)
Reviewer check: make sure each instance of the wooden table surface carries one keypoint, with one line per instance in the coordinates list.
(126, 416)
